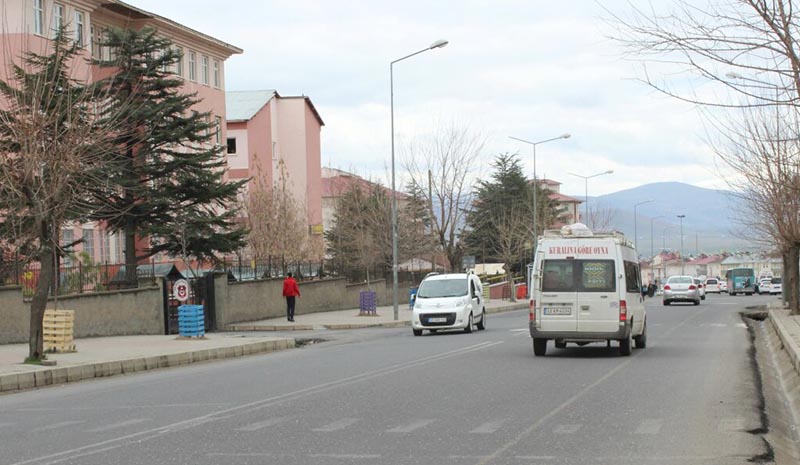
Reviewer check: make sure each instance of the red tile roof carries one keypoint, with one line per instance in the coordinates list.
(336, 186)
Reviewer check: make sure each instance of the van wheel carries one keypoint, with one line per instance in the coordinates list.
(482, 323)
(468, 329)
(417, 332)
(641, 340)
(625, 344)
(539, 347)
(561, 345)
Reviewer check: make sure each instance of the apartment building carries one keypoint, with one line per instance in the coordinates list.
(28, 26)
(266, 130)
(567, 208)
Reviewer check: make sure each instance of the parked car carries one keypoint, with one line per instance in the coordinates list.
(680, 289)
(712, 285)
(763, 285)
(449, 301)
(776, 286)
(723, 286)
(701, 288)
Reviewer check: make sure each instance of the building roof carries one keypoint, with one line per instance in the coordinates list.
(706, 260)
(563, 198)
(549, 182)
(135, 13)
(243, 105)
(337, 182)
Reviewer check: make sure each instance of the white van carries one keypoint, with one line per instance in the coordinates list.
(449, 301)
(586, 287)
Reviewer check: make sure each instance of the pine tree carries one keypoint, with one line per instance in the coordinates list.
(168, 186)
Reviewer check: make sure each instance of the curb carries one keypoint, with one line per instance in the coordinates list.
(790, 339)
(240, 327)
(53, 376)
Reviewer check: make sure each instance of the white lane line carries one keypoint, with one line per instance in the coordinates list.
(731, 424)
(410, 426)
(649, 427)
(121, 424)
(262, 424)
(337, 425)
(741, 325)
(346, 456)
(55, 426)
(718, 325)
(489, 427)
(535, 457)
(154, 433)
(518, 330)
(567, 429)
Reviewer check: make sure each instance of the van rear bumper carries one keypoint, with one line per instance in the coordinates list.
(622, 333)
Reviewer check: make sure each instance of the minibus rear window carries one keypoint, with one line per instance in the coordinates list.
(578, 276)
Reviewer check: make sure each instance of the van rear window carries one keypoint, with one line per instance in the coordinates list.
(578, 276)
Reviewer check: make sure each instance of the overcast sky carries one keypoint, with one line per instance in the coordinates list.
(532, 69)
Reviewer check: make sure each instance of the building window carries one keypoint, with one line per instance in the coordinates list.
(218, 127)
(204, 68)
(38, 17)
(192, 66)
(216, 74)
(88, 242)
(79, 39)
(67, 238)
(179, 63)
(232, 145)
(94, 42)
(58, 18)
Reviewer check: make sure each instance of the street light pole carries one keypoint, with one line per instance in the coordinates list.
(652, 248)
(437, 44)
(681, 217)
(534, 144)
(586, 188)
(636, 224)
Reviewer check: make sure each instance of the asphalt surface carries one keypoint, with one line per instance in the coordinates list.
(383, 396)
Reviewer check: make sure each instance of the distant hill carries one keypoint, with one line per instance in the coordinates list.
(709, 226)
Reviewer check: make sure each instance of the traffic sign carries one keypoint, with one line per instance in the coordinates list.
(180, 290)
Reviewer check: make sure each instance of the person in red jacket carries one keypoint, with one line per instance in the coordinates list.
(290, 291)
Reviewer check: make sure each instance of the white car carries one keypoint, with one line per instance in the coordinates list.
(723, 286)
(713, 285)
(776, 286)
(764, 286)
(700, 287)
(449, 301)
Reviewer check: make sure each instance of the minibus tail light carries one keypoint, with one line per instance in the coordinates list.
(532, 311)
(623, 311)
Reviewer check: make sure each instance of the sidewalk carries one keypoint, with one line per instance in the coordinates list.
(109, 356)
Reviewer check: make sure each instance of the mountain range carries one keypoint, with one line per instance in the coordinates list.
(710, 224)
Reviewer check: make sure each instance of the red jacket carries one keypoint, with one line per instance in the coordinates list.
(290, 288)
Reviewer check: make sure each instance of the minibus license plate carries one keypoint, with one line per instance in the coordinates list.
(557, 311)
(437, 320)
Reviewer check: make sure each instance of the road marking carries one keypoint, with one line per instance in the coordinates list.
(262, 424)
(741, 325)
(731, 424)
(411, 426)
(55, 426)
(509, 444)
(489, 427)
(122, 424)
(155, 433)
(518, 330)
(346, 456)
(337, 425)
(535, 457)
(649, 427)
(567, 429)
(718, 325)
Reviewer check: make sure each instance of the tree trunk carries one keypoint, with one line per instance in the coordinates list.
(792, 279)
(39, 303)
(130, 252)
(784, 293)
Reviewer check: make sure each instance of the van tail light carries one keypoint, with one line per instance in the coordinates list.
(623, 310)
(692, 287)
(667, 288)
(532, 311)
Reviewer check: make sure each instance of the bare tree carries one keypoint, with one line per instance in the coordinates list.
(749, 47)
(52, 142)
(601, 218)
(511, 224)
(445, 162)
(275, 219)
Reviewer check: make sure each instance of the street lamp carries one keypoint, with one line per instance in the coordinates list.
(534, 144)
(681, 217)
(586, 187)
(437, 44)
(652, 249)
(635, 223)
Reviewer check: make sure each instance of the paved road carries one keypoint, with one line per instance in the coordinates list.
(382, 396)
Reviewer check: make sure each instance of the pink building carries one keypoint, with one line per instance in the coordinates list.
(567, 208)
(265, 129)
(28, 24)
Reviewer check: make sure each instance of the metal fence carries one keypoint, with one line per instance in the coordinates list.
(248, 269)
(75, 279)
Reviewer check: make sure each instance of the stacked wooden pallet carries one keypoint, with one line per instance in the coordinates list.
(58, 330)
